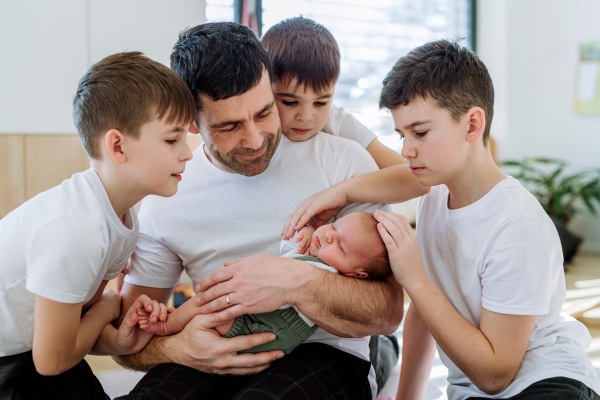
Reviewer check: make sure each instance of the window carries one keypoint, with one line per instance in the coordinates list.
(372, 36)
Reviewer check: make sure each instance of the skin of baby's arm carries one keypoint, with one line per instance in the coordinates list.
(176, 320)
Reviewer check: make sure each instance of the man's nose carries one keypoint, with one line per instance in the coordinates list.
(252, 137)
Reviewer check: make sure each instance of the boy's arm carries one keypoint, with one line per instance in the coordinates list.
(390, 185)
(62, 337)
(383, 155)
(490, 355)
(418, 351)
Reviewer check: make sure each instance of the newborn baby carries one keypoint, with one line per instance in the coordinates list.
(350, 246)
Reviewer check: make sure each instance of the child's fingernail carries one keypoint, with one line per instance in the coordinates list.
(280, 355)
(272, 337)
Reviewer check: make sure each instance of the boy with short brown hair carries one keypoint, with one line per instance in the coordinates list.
(62, 247)
(484, 269)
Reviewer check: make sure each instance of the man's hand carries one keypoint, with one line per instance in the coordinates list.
(200, 346)
(253, 285)
(403, 249)
(303, 238)
(323, 206)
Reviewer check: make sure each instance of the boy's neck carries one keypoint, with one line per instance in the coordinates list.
(121, 192)
(479, 175)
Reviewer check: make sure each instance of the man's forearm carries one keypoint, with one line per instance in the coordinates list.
(351, 307)
(153, 354)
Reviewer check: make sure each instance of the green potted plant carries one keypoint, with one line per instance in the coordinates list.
(562, 195)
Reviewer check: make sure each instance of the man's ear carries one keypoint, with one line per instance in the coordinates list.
(113, 143)
(357, 274)
(476, 124)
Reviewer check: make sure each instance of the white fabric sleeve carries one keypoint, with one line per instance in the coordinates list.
(285, 246)
(518, 274)
(340, 123)
(64, 258)
(153, 264)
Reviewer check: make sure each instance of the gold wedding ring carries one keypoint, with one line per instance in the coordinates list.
(228, 302)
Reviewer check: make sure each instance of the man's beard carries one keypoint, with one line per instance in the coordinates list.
(250, 167)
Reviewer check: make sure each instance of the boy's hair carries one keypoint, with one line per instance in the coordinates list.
(219, 60)
(451, 75)
(123, 92)
(302, 49)
(378, 266)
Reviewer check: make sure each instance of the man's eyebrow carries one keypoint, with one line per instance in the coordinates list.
(416, 123)
(265, 108)
(219, 125)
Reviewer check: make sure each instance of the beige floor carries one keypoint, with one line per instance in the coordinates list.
(583, 291)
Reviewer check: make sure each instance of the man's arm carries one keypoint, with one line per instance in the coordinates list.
(341, 305)
(418, 351)
(198, 345)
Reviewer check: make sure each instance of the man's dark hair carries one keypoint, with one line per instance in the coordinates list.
(302, 49)
(451, 75)
(123, 92)
(219, 60)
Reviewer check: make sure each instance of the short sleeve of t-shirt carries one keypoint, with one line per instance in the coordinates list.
(517, 276)
(340, 123)
(152, 264)
(63, 258)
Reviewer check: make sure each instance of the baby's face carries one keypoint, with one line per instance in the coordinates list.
(345, 245)
(303, 113)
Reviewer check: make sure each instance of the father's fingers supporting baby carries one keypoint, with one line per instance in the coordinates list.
(218, 276)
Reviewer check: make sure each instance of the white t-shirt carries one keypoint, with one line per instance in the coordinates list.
(503, 253)
(59, 245)
(340, 123)
(218, 216)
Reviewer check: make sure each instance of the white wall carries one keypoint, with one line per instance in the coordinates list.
(531, 48)
(46, 46)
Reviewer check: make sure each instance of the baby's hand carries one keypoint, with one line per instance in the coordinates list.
(303, 239)
(152, 325)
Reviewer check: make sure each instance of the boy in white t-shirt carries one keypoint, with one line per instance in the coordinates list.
(305, 60)
(61, 248)
(484, 269)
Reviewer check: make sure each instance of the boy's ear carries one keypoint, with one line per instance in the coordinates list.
(194, 129)
(476, 121)
(113, 142)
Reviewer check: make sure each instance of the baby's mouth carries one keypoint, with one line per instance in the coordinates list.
(318, 240)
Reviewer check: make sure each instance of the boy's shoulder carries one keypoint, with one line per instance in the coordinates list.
(508, 200)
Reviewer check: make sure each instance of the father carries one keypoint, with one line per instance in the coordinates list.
(233, 201)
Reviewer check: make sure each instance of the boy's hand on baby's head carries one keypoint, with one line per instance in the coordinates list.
(403, 248)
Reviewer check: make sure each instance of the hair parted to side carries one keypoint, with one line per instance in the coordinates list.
(124, 91)
(378, 266)
(451, 75)
(302, 49)
(219, 60)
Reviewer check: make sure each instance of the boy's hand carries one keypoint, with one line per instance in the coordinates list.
(303, 238)
(322, 206)
(403, 249)
(130, 337)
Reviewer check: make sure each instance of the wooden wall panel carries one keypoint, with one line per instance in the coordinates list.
(12, 173)
(50, 159)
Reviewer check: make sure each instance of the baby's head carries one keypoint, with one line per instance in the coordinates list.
(352, 245)
(305, 60)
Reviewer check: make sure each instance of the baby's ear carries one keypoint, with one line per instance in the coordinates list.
(357, 274)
